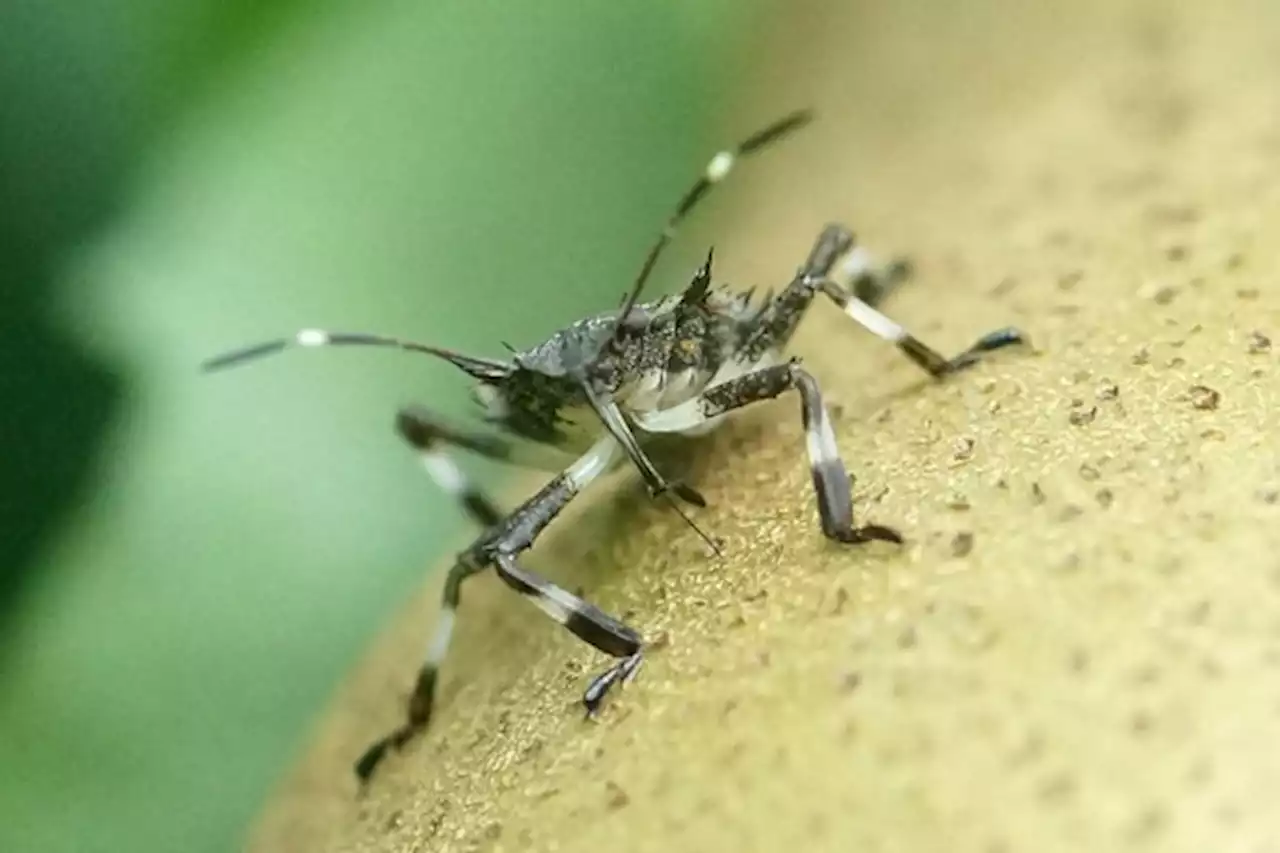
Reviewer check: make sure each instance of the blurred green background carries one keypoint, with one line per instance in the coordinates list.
(194, 561)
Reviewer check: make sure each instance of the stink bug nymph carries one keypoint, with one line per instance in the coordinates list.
(673, 365)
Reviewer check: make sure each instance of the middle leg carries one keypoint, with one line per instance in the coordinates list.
(831, 482)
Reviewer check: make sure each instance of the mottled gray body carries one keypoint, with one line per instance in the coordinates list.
(667, 353)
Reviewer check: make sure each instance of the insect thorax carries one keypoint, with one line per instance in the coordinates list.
(665, 354)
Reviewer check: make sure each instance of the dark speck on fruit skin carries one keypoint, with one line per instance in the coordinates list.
(1203, 397)
(1079, 661)
(1082, 417)
(618, 798)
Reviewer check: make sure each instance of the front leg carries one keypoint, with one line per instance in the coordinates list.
(499, 546)
(582, 618)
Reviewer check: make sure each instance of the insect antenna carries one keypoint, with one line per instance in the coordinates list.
(311, 338)
(717, 169)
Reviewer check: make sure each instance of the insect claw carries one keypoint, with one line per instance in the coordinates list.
(872, 533)
(899, 270)
(621, 672)
(689, 495)
(630, 668)
(596, 690)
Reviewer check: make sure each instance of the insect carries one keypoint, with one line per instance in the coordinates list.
(595, 391)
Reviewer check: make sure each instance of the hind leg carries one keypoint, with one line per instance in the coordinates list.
(866, 285)
(868, 279)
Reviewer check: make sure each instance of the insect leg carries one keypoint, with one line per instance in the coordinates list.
(831, 482)
(585, 621)
(868, 280)
(614, 421)
(427, 434)
(866, 314)
(929, 359)
(430, 435)
(780, 317)
(778, 321)
(499, 545)
(422, 699)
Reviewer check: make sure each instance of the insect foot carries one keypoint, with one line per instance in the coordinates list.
(869, 533)
(419, 716)
(620, 673)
